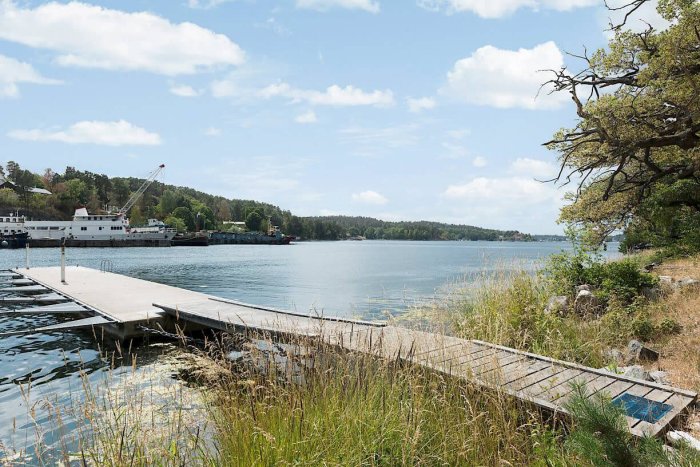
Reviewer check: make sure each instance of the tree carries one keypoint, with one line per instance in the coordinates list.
(637, 134)
(176, 223)
(167, 203)
(253, 221)
(223, 210)
(185, 215)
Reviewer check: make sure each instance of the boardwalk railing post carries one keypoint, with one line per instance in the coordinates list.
(63, 261)
(26, 256)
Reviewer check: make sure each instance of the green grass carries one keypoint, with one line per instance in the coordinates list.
(307, 404)
(355, 410)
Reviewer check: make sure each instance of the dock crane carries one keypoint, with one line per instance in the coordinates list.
(137, 194)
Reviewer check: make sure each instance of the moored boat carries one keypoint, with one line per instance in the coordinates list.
(273, 237)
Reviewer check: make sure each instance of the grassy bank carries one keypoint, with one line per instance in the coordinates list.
(302, 404)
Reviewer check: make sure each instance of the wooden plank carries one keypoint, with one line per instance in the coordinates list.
(507, 365)
(496, 360)
(514, 372)
(521, 384)
(67, 326)
(595, 385)
(47, 309)
(613, 390)
(552, 382)
(679, 402)
(565, 387)
(594, 370)
(48, 298)
(25, 289)
(640, 391)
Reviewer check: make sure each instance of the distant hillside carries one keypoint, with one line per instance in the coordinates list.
(371, 228)
(189, 209)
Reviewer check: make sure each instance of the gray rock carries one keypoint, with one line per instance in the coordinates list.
(582, 287)
(634, 371)
(660, 377)
(638, 351)
(557, 304)
(585, 302)
(687, 282)
(681, 437)
(665, 280)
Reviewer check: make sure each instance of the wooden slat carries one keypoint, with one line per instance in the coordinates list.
(614, 390)
(640, 391)
(565, 387)
(551, 382)
(594, 370)
(545, 373)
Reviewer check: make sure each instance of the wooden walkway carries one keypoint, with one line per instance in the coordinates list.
(123, 302)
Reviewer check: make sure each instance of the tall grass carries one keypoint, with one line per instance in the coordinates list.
(356, 410)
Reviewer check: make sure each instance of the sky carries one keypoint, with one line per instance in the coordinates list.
(395, 109)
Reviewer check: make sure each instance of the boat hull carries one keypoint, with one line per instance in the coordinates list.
(227, 238)
(112, 243)
(14, 241)
(190, 241)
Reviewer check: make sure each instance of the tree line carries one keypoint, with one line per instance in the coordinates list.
(188, 209)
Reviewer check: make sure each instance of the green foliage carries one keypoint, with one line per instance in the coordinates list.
(620, 280)
(253, 221)
(356, 410)
(600, 436)
(185, 215)
(636, 149)
(8, 199)
(176, 223)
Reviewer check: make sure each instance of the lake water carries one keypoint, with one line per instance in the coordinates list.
(367, 279)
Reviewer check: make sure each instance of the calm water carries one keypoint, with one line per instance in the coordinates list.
(365, 279)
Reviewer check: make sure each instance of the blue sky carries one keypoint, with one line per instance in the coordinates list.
(402, 110)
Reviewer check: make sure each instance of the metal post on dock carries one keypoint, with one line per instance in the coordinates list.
(26, 256)
(63, 261)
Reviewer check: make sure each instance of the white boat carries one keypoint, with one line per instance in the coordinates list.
(12, 224)
(93, 227)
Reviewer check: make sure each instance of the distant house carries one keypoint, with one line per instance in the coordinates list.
(5, 183)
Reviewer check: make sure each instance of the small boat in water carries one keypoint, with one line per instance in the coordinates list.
(274, 236)
(198, 239)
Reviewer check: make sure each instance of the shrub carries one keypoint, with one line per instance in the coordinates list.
(620, 280)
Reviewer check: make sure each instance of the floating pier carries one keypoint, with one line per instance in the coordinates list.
(127, 306)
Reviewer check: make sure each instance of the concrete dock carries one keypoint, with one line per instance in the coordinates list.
(125, 305)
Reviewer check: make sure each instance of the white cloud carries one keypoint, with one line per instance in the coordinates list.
(323, 5)
(118, 133)
(505, 189)
(184, 90)
(419, 104)
(369, 197)
(506, 78)
(479, 161)
(535, 168)
(333, 95)
(500, 8)
(96, 37)
(212, 131)
(306, 117)
(13, 72)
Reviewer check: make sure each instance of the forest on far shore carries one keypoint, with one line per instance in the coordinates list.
(188, 209)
